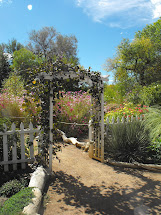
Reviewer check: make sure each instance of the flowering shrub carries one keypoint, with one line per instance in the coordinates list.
(126, 109)
(73, 107)
(10, 106)
(16, 108)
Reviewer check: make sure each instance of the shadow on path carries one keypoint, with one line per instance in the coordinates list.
(107, 200)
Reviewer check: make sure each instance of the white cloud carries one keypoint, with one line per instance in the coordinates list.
(156, 8)
(5, 1)
(121, 13)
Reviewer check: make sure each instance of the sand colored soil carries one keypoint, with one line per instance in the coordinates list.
(81, 186)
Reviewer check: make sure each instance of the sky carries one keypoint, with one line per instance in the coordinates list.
(99, 25)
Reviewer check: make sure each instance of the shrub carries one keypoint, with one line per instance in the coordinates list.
(133, 95)
(128, 142)
(73, 107)
(10, 188)
(17, 202)
(155, 150)
(19, 109)
(11, 107)
(151, 95)
(14, 85)
(112, 94)
(146, 95)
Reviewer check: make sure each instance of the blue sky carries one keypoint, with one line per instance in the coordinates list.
(99, 25)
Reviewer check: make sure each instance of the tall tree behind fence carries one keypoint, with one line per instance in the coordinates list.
(12, 146)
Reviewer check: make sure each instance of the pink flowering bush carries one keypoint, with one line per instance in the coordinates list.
(125, 110)
(73, 107)
(16, 109)
(11, 106)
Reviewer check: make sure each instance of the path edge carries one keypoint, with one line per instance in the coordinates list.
(37, 182)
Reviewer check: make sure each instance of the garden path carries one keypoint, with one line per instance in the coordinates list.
(82, 186)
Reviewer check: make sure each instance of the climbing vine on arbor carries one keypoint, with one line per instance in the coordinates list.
(61, 75)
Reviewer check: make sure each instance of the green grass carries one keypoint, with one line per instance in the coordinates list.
(15, 204)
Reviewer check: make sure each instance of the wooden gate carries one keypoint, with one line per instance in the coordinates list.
(96, 126)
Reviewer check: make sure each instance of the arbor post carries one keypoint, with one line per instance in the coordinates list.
(51, 128)
(102, 127)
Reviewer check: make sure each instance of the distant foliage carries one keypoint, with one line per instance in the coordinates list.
(151, 95)
(113, 94)
(146, 95)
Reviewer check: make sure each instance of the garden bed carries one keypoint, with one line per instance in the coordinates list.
(19, 176)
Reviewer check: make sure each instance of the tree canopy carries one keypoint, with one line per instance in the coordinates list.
(48, 43)
(139, 61)
(24, 60)
(13, 45)
(4, 65)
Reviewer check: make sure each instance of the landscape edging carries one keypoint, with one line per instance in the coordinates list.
(152, 167)
(37, 181)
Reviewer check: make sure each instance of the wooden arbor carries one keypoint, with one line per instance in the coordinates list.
(96, 128)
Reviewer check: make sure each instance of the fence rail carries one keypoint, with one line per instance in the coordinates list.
(123, 119)
(14, 149)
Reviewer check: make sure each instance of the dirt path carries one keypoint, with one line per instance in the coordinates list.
(85, 186)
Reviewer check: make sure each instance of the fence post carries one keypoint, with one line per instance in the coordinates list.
(90, 130)
(22, 140)
(14, 147)
(31, 134)
(123, 120)
(5, 148)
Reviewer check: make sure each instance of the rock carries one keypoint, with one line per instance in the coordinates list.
(38, 178)
(32, 208)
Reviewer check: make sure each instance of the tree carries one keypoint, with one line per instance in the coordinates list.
(23, 61)
(13, 46)
(152, 32)
(42, 41)
(4, 65)
(48, 43)
(139, 61)
(67, 47)
(14, 85)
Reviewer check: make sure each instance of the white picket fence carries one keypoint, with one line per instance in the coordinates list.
(123, 119)
(23, 160)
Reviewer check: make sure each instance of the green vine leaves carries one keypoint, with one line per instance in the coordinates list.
(62, 77)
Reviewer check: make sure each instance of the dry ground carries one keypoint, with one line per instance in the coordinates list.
(81, 186)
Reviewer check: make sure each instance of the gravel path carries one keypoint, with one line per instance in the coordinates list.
(81, 186)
